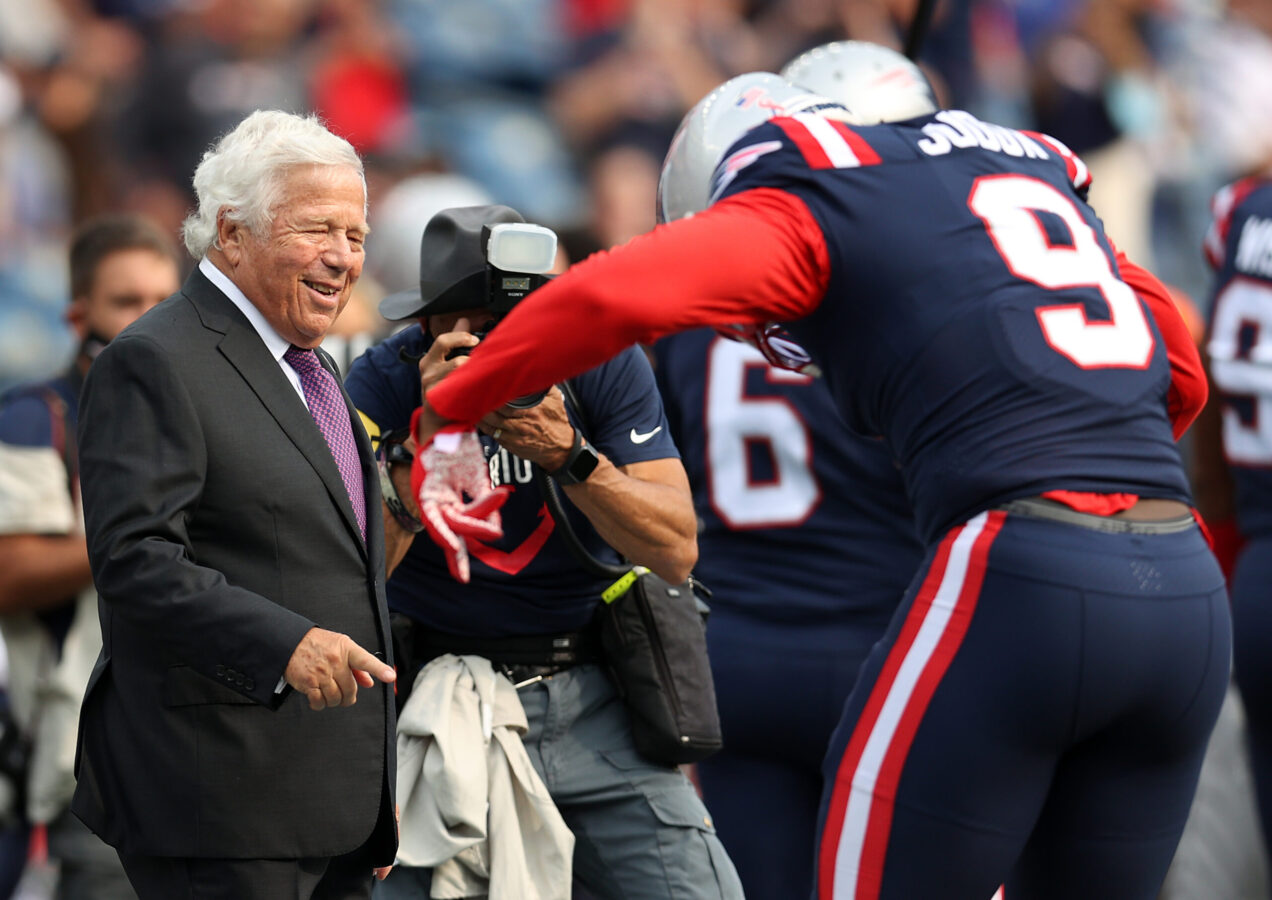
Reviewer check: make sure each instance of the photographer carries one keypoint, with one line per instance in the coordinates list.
(640, 830)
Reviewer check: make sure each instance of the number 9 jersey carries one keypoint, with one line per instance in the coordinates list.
(988, 386)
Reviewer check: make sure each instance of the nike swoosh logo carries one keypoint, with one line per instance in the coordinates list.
(638, 438)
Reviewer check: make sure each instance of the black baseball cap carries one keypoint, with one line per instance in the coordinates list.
(452, 263)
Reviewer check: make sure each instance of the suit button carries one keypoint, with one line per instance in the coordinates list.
(249, 684)
(220, 671)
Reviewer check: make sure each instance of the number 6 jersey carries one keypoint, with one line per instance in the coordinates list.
(800, 520)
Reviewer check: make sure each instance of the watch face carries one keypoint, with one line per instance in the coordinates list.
(585, 463)
(580, 465)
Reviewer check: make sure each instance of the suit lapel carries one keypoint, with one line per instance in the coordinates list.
(247, 353)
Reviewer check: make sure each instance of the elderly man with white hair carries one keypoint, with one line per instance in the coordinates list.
(235, 540)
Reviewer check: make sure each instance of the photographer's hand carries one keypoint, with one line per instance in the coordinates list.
(434, 366)
(542, 434)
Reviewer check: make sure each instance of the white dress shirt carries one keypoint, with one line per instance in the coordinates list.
(274, 342)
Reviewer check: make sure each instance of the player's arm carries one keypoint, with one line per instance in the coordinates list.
(757, 256)
(1188, 385)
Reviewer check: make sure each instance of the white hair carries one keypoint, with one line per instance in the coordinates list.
(242, 173)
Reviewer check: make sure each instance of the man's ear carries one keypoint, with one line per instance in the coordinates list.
(230, 235)
(77, 316)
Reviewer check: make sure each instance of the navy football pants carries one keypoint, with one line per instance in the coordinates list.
(1037, 715)
(1252, 657)
(780, 687)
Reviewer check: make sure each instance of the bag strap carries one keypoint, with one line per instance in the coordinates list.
(572, 398)
(552, 499)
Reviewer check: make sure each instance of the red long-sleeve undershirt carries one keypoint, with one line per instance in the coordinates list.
(1188, 387)
(758, 256)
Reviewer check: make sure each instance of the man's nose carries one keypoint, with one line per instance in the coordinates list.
(340, 253)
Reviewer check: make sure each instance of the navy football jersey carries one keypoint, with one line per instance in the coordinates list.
(985, 387)
(799, 518)
(1239, 246)
(527, 582)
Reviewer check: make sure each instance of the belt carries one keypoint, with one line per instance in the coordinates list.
(523, 676)
(525, 659)
(1041, 508)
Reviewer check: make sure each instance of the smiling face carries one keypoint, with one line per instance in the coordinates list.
(300, 274)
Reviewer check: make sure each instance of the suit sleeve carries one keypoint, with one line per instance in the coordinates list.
(143, 461)
(1188, 387)
(757, 256)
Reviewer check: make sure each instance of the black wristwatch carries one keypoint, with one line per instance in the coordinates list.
(391, 450)
(579, 464)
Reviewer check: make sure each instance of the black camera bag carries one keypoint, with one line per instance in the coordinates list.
(654, 635)
(655, 642)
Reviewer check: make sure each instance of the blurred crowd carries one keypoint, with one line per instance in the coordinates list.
(564, 108)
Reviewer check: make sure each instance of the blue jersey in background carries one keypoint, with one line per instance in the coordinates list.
(1239, 246)
(800, 518)
(807, 543)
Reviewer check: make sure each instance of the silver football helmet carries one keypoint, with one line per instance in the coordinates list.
(711, 127)
(877, 83)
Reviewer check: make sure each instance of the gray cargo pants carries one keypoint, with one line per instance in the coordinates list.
(640, 830)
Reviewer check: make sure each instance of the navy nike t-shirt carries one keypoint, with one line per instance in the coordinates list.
(527, 582)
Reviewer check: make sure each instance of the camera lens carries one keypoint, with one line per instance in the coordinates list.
(529, 401)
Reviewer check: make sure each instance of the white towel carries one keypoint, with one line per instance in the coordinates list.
(473, 808)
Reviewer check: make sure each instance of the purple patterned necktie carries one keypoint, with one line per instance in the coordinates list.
(327, 406)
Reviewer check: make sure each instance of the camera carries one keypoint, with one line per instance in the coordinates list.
(518, 258)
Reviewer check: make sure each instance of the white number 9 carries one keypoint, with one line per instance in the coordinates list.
(1007, 205)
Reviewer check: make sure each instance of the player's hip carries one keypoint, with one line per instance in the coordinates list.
(1153, 551)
